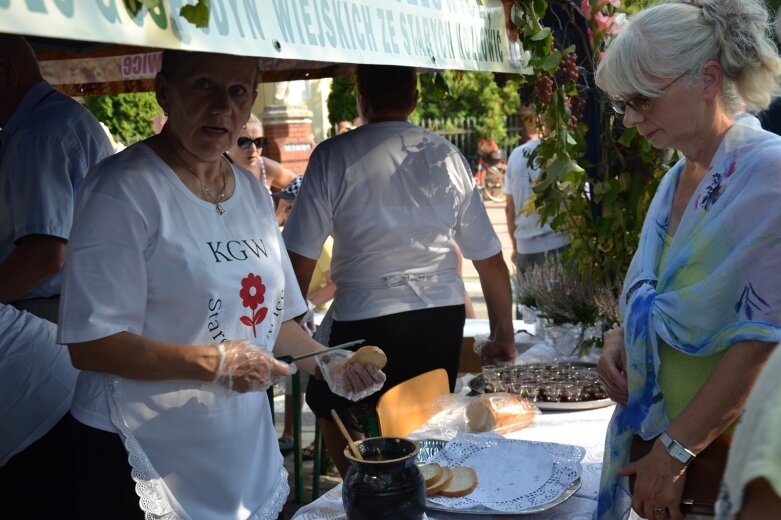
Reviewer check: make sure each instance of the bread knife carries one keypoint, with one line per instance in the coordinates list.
(349, 344)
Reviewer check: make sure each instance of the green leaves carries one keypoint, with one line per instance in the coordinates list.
(134, 6)
(197, 14)
(541, 34)
(601, 209)
(126, 115)
(439, 86)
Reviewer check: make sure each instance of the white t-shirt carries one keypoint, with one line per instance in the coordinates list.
(37, 380)
(755, 451)
(530, 236)
(393, 196)
(149, 257)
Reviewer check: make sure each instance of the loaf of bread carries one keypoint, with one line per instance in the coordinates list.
(499, 412)
(368, 355)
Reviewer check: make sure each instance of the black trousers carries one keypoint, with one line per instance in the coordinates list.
(104, 487)
(414, 341)
(38, 482)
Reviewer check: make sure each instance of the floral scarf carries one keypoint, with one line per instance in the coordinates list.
(721, 284)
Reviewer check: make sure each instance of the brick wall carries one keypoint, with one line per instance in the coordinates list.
(289, 133)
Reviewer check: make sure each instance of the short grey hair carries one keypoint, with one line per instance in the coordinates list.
(672, 39)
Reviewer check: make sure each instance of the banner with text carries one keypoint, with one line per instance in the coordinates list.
(433, 34)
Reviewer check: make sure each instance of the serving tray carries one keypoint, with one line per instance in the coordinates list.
(430, 447)
(593, 396)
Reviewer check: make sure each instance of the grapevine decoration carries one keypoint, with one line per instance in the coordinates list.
(597, 177)
(197, 14)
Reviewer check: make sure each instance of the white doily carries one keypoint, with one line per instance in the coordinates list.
(512, 475)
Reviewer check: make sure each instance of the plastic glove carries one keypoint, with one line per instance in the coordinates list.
(354, 382)
(247, 368)
(307, 320)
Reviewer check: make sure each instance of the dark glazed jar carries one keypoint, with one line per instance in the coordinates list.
(387, 484)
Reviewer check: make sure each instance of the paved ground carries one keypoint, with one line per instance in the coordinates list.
(472, 282)
(328, 481)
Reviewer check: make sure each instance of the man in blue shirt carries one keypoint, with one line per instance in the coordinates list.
(49, 141)
(47, 144)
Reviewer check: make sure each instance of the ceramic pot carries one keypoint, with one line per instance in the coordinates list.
(387, 484)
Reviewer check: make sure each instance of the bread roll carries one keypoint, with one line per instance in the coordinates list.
(500, 412)
(463, 482)
(368, 355)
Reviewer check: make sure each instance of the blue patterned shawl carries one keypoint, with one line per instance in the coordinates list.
(721, 284)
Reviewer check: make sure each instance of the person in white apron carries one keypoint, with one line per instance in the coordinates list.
(176, 289)
(397, 200)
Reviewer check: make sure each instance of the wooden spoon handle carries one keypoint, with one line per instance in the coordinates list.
(340, 424)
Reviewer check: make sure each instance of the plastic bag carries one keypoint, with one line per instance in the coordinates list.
(499, 412)
(456, 414)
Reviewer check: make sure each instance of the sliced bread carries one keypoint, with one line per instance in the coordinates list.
(437, 486)
(431, 472)
(463, 482)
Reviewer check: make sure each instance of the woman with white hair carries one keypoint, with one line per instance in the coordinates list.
(702, 297)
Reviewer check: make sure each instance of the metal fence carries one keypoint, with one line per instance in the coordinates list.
(463, 133)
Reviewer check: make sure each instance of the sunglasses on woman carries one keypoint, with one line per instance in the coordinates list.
(245, 142)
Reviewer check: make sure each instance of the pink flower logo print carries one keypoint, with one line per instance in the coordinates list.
(252, 295)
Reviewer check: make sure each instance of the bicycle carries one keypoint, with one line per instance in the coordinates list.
(489, 171)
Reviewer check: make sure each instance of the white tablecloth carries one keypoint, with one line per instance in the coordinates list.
(582, 428)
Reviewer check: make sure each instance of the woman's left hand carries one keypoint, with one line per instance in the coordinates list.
(354, 381)
(658, 488)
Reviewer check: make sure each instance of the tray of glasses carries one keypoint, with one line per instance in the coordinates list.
(550, 386)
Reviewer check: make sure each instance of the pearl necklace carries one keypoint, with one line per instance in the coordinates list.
(214, 199)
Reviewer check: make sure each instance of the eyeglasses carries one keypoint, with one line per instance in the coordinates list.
(638, 103)
(245, 142)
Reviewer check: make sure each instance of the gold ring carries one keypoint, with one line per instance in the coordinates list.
(660, 512)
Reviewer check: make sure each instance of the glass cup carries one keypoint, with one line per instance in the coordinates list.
(490, 379)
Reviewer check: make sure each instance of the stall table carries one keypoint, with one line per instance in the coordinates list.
(584, 428)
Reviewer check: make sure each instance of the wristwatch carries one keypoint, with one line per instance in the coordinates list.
(677, 450)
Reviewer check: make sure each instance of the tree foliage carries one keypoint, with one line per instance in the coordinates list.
(341, 101)
(468, 94)
(448, 94)
(126, 115)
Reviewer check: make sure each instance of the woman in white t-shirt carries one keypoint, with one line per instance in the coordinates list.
(176, 290)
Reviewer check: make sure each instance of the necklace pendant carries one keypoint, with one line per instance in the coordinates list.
(220, 209)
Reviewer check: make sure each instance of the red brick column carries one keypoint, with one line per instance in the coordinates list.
(289, 133)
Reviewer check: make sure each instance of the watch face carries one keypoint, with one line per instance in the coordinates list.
(676, 449)
(680, 453)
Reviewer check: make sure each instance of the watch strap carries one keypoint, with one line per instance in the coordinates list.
(677, 450)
